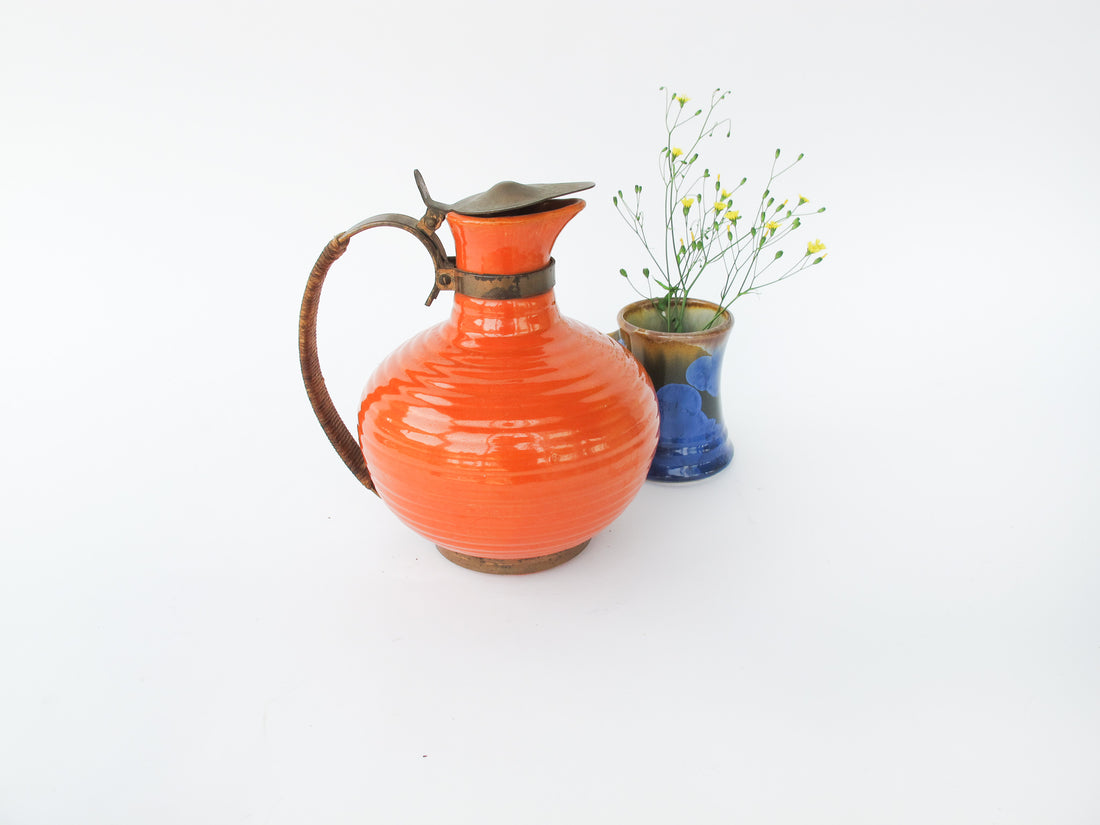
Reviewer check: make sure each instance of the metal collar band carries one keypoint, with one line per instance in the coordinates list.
(505, 287)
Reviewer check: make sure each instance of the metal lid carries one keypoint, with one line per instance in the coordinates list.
(506, 196)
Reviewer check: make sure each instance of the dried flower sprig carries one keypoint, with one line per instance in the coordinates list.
(701, 229)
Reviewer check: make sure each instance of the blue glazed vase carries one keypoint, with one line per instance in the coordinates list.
(686, 369)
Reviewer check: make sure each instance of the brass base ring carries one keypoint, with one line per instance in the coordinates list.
(512, 567)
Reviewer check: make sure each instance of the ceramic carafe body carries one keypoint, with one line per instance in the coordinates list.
(508, 435)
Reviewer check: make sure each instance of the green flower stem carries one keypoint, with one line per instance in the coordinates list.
(699, 236)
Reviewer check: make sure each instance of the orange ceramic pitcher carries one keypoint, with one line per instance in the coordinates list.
(508, 435)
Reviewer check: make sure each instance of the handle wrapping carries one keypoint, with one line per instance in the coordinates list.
(338, 433)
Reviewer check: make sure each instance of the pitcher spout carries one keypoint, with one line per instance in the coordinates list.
(511, 243)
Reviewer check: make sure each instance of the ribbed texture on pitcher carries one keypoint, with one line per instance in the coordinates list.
(508, 432)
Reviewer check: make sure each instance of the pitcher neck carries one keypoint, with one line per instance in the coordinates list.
(510, 244)
(516, 316)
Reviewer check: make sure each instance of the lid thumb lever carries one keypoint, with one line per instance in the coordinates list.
(429, 202)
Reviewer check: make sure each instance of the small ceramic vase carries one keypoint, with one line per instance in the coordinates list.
(686, 369)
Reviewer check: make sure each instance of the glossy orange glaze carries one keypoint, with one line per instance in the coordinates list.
(509, 244)
(508, 431)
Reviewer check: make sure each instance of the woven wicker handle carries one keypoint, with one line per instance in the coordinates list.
(338, 433)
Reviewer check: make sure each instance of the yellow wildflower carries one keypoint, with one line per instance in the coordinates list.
(725, 194)
(682, 100)
(718, 207)
(733, 215)
(687, 202)
(676, 152)
(814, 247)
(771, 225)
(802, 199)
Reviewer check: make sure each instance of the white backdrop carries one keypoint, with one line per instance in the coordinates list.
(886, 611)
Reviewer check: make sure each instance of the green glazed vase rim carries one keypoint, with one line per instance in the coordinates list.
(719, 330)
